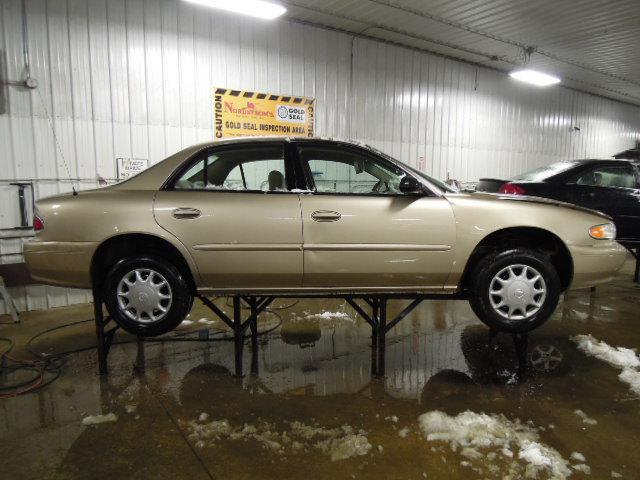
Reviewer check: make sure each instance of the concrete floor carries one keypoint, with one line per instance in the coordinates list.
(315, 369)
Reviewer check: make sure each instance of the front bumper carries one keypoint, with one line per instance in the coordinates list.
(597, 264)
(66, 264)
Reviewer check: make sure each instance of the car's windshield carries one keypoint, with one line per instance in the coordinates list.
(541, 174)
(441, 185)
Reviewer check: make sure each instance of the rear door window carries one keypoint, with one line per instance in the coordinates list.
(256, 168)
(618, 176)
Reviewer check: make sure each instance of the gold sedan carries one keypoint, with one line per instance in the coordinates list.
(307, 216)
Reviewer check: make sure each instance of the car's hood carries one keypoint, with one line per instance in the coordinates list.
(497, 197)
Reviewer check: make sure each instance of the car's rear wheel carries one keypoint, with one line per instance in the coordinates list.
(515, 290)
(147, 296)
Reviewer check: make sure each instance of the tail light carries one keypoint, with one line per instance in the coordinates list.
(512, 189)
(38, 223)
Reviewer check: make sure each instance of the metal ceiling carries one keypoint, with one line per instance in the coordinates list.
(593, 45)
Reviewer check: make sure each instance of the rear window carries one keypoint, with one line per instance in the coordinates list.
(542, 173)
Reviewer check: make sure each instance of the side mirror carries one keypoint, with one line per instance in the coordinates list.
(409, 184)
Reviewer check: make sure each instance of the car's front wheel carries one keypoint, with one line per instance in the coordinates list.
(515, 290)
(147, 296)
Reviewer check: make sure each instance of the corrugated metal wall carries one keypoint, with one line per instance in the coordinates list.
(134, 79)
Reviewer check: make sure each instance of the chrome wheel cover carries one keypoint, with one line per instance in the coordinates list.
(144, 295)
(517, 292)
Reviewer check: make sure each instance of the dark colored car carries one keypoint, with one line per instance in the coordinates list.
(609, 186)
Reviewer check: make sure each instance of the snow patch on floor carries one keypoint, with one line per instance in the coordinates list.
(624, 358)
(585, 418)
(483, 437)
(632, 377)
(616, 356)
(329, 316)
(578, 457)
(337, 443)
(98, 419)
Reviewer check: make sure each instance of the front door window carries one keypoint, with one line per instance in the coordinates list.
(349, 172)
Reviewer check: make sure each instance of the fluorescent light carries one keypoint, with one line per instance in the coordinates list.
(535, 78)
(253, 8)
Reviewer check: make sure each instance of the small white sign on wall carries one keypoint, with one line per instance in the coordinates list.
(128, 167)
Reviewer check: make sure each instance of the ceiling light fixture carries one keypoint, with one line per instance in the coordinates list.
(253, 8)
(535, 78)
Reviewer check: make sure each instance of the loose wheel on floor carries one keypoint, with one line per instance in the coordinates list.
(514, 290)
(146, 295)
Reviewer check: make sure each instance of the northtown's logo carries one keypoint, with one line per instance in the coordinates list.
(250, 109)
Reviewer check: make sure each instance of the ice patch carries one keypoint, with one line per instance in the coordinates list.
(616, 356)
(578, 457)
(615, 474)
(632, 377)
(403, 432)
(620, 357)
(130, 408)
(98, 419)
(585, 418)
(346, 447)
(338, 443)
(479, 435)
(329, 316)
(186, 323)
(586, 469)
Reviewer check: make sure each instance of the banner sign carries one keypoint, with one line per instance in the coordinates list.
(241, 114)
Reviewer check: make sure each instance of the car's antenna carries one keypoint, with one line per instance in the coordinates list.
(55, 138)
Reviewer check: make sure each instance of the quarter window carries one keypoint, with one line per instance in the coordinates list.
(344, 171)
(621, 176)
(250, 168)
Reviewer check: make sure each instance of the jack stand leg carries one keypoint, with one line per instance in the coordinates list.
(100, 337)
(382, 337)
(254, 339)
(237, 335)
(493, 335)
(374, 336)
(521, 343)
(140, 357)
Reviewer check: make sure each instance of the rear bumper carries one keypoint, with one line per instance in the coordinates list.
(595, 265)
(66, 264)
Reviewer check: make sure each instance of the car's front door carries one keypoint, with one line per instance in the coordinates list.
(233, 208)
(611, 188)
(361, 232)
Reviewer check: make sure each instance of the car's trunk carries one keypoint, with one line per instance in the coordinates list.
(491, 185)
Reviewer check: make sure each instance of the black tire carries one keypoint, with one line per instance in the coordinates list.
(488, 267)
(177, 309)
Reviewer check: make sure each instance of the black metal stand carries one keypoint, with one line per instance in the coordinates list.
(521, 345)
(104, 335)
(377, 319)
(379, 325)
(256, 306)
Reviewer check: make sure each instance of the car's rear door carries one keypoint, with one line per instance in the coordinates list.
(611, 188)
(361, 232)
(233, 208)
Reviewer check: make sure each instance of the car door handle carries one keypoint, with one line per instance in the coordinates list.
(325, 216)
(186, 213)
